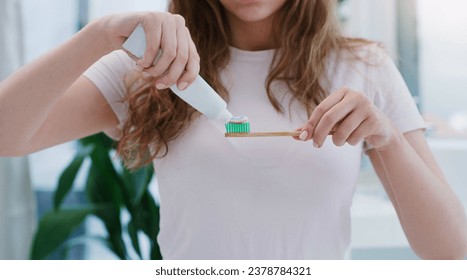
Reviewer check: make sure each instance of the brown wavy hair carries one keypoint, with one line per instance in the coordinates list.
(305, 33)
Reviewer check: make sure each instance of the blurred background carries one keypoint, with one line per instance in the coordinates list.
(427, 39)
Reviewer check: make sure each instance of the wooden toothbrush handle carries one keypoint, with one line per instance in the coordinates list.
(264, 134)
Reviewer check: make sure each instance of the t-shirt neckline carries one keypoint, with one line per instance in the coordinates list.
(251, 55)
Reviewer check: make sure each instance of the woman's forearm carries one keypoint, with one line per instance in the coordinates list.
(28, 95)
(430, 213)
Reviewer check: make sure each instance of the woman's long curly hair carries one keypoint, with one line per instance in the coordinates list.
(305, 32)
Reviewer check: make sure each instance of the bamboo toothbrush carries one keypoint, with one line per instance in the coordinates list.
(263, 134)
(240, 127)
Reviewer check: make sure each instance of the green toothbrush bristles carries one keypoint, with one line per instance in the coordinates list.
(237, 127)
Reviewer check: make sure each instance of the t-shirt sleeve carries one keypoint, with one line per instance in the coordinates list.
(108, 74)
(390, 93)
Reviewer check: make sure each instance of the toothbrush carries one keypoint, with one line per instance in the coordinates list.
(240, 127)
(264, 134)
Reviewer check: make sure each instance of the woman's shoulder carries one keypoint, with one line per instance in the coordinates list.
(367, 59)
(110, 71)
(119, 60)
(361, 50)
(365, 65)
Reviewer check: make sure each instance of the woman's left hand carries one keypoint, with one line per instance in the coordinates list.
(350, 117)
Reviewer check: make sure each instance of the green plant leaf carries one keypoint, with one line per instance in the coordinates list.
(133, 233)
(99, 139)
(137, 183)
(148, 222)
(150, 216)
(54, 229)
(155, 253)
(103, 187)
(109, 180)
(65, 182)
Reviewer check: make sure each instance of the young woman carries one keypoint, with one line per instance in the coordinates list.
(285, 65)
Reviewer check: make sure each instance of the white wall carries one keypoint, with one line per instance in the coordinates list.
(98, 8)
(375, 20)
(47, 23)
(443, 58)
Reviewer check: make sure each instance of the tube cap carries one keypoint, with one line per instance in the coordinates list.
(225, 116)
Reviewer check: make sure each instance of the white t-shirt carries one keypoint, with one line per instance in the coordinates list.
(261, 198)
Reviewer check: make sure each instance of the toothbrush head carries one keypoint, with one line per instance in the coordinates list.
(238, 124)
(237, 127)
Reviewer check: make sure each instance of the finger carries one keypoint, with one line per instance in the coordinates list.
(320, 110)
(334, 128)
(327, 104)
(331, 119)
(347, 127)
(305, 136)
(305, 132)
(193, 66)
(192, 70)
(179, 64)
(360, 133)
(153, 39)
(169, 45)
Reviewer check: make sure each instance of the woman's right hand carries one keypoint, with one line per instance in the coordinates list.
(179, 62)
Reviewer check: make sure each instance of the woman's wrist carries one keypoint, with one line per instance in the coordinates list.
(97, 31)
(395, 139)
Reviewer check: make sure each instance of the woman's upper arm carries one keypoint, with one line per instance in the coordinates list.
(81, 111)
(91, 105)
